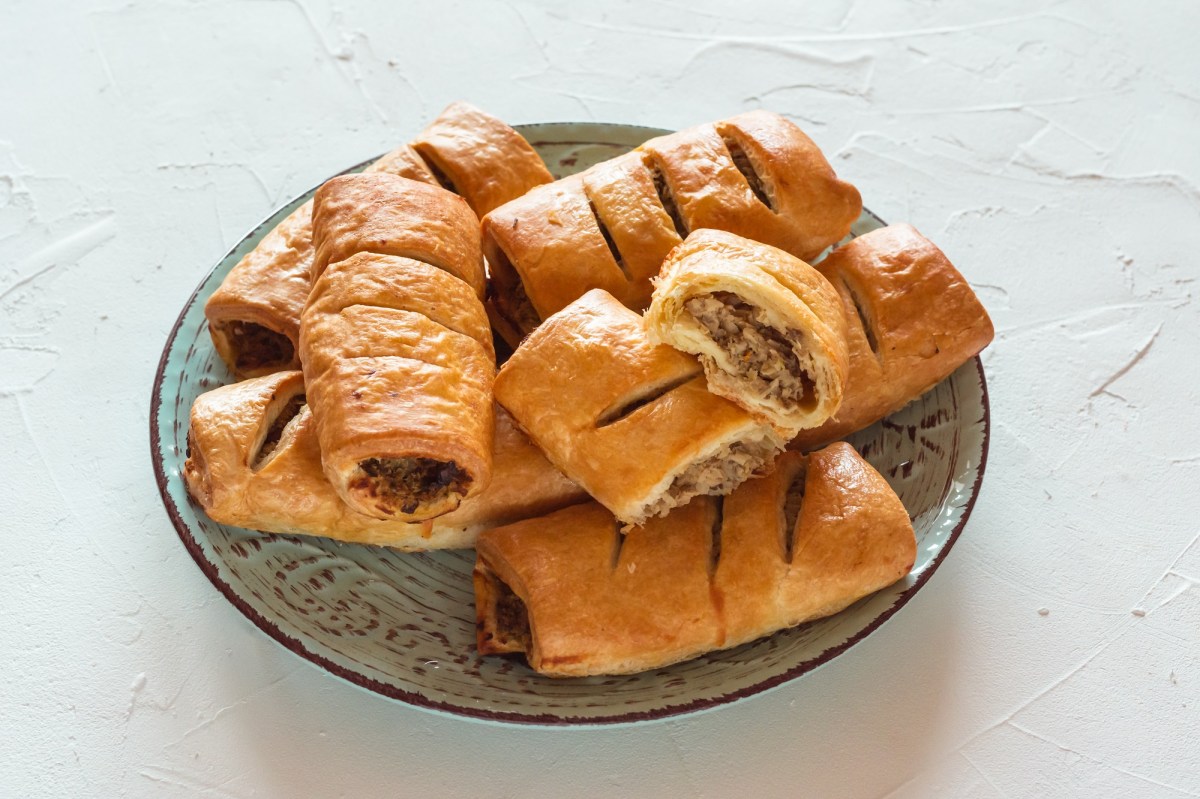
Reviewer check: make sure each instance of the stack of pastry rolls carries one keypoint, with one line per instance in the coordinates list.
(389, 434)
(624, 474)
(254, 315)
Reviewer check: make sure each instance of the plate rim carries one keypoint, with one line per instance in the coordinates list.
(502, 717)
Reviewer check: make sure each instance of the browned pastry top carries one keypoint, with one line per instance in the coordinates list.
(709, 576)
(389, 215)
(912, 320)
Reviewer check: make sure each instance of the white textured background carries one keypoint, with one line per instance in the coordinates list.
(1050, 148)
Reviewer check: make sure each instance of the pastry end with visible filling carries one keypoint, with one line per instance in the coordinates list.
(411, 485)
(254, 349)
(502, 620)
(717, 474)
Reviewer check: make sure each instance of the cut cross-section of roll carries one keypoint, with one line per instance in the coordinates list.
(630, 421)
(396, 347)
(767, 327)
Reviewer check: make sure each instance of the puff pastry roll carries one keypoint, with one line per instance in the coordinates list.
(577, 598)
(254, 315)
(767, 327)
(397, 351)
(630, 421)
(912, 319)
(756, 175)
(253, 461)
(480, 158)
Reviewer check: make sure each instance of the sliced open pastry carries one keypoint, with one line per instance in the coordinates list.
(254, 462)
(912, 319)
(578, 598)
(396, 347)
(254, 315)
(610, 227)
(767, 327)
(631, 421)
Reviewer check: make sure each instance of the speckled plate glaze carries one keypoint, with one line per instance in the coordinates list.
(403, 625)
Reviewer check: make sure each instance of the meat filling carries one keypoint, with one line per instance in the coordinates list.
(512, 619)
(411, 482)
(791, 513)
(503, 620)
(518, 309)
(275, 432)
(720, 473)
(258, 347)
(744, 165)
(765, 357)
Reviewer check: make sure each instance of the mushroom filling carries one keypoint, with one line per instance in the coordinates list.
(764, 357)
(719, 473)
(256, 347)
(411, 482)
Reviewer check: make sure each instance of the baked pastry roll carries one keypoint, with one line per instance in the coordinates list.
(577, 598)
(479, 158)
(397, 351)
(253, 461)
(912, 319)
(630, 421)
(767, 327)
(254, 315)
(610, 227)
(390, 215)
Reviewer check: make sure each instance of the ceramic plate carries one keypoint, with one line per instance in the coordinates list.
(403, 625)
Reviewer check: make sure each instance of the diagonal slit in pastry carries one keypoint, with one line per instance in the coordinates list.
(643, 396)
(666, 197)
(439, 174)
(714, 548)
(758, 180)
(282, 417)
(864, 318)
(793, 500)
(508, 298)
(608, 239)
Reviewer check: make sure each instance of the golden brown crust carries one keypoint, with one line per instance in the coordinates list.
(575, 386)
(254, 315)
(924, 322)
(485, 161)
(796, 311)
(289, 493)
(267, 288)
(709, 576)
(778, 189)
(389, 215)
(397, 349)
